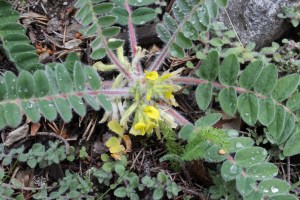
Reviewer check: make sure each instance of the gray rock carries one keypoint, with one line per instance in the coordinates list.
(256, 20)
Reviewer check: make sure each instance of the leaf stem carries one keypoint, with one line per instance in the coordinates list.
(109, 92)
(132, 38)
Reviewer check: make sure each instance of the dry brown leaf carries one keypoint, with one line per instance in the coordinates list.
(34, 128)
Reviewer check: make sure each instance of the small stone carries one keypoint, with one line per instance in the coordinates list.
(65, 3)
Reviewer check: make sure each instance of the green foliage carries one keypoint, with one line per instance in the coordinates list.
(258, 95)
(248, 173)
(190, 18)
(37, 155)
(99, 18)
(50, 92)
(292, 13)
(15, 41)
(160, 186)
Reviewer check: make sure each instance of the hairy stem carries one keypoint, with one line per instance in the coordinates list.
(132, 37)
(109, 92)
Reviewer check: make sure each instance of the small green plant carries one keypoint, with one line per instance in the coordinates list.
(159, 186)
(37, 155)
(292, 13)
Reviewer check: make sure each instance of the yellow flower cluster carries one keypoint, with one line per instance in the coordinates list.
(146, 119)
(157, 87)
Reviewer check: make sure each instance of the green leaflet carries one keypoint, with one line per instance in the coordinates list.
(229, 170)
(142, 15)
(228, 70)
(107, 20)
(11, 85)
(111, 31)
(208, 120)
(183, 42)
(285, 87)
(102, 8)
(121, 14)
(266, 112)
(25, 85)
(212, 8)
(47, 109)
(292, 146)
(293, 103)
(98, 53)
(250, 74)
(2, 118)
(210, 66)
(228, 100)
(115, 44)
(250, 156)
(204, 95)
(177, 51)
(77, 104)
(276, 127)
(184, 5)
(63, 109)
(267, 187)
(262, 171)
(105, 102)
(222, 3)
(244, 184)
(141, 3)
(267, 80)
(248, 108)
(169, 22)
(288, 129)
(163, 32)
(237, 143)
(186, 132)
(3, 90)
(31, 110)
(12, 115)
(79, 77)
(63, 78)
(91, 101)
(93, 78)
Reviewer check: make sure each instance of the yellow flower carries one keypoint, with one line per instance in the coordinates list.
(150, 126)
(151, 75)
(140, 126)
(152, 112)
(168, 94)
(165, 77)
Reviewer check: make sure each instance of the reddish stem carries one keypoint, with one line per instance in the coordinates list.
(178, 117)
(109, 92)
(132, 37)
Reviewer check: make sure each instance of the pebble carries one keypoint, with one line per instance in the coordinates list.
(65, 3)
